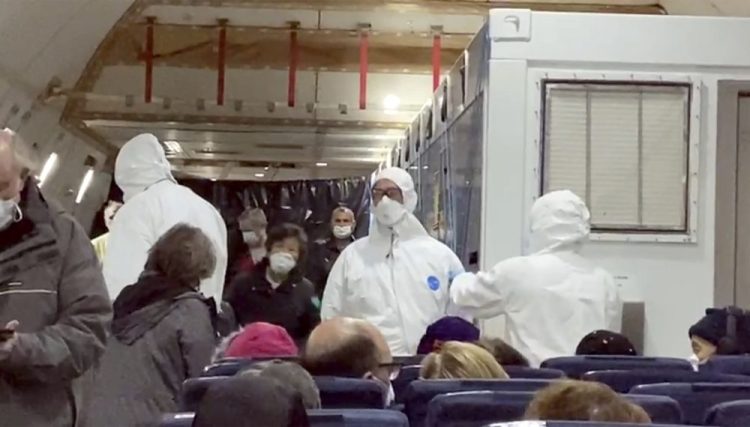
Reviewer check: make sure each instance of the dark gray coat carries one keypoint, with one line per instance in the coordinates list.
(50, 281)
(141, 372)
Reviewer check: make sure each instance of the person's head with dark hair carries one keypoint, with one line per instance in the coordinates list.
(570, 400)
(291, 375)
(251, 401)
(710, 335)
(448, 328)
(347, 347)
(287, 247)
(184, 254)
(606, 343)
(503, 352)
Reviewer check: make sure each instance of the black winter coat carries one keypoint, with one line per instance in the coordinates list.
(291, 305)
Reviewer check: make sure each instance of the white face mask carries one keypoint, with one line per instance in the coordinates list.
(282, 262)
(342, 231)
(695, 361)
(9, 212)
(252, 238)
(389, 212)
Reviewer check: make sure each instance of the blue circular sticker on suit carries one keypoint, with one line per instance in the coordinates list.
(433, 282)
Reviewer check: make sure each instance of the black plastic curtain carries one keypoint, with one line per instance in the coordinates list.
(305, 203)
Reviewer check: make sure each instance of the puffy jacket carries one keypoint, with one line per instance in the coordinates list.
(145, 364)
(51, 282)
(291, 305)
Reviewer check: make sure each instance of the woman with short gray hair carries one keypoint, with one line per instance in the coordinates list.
(162, 333)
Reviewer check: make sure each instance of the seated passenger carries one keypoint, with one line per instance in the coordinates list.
(344, 347)
(459, 360)
(448, 328)
(552, 297)
(162, 333)
(606, 343)
(250, 401)
(291, 375)
(583, 401)
(276, 291)
(257, 341)
(711, 335)
(503, 352)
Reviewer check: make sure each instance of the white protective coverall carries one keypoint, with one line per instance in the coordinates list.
(551, 298)
(154, 202)
(397, 278)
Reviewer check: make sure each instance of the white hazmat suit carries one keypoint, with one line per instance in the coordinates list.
(154, 203)
(397, 278)
(551, 298)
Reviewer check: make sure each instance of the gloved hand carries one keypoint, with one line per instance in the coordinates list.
(7, 346)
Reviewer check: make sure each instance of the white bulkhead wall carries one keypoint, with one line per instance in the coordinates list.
(39, 41)
(675, 280)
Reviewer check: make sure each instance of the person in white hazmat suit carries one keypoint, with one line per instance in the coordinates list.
(396, 278)
(154, 202)
(551, 298)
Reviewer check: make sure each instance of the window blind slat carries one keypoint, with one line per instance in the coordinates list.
(614, 159)
(624, 148)
(567, 136)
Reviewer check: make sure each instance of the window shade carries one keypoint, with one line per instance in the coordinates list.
(623, 149)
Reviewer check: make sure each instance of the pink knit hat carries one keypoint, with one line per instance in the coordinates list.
(259, 340)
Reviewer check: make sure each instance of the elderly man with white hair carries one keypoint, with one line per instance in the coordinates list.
(397, 278)
(154, 203)
(54, 310)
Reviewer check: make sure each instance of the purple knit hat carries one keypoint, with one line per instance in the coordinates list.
(447, 329)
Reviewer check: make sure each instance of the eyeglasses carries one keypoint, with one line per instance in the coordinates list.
(392, 193)
(393, 369)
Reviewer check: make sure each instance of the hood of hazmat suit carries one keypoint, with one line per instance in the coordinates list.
(398, 277)
(154, 202)
(552, 298)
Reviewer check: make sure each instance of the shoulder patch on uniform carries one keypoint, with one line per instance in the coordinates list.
(433, 283)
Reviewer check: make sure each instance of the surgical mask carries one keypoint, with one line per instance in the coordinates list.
(389, 212)
(694, 361)
(251, 238)
(9, 212)
(282, 262)
(342, 231)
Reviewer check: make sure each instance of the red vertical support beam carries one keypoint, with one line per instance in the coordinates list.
(363, 46)
(221, 64)
(149, 59)
(293, 64)
(436, 46)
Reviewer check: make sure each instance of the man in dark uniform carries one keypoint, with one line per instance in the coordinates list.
(324, 252)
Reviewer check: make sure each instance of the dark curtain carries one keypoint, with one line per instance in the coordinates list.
(305, 203)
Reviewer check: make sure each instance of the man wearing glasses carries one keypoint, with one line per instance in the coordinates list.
(397, 278)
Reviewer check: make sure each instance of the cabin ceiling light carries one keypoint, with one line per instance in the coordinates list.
(85, 185)
(391, 103)
(321, 164)
(260, 175)
(49, 166)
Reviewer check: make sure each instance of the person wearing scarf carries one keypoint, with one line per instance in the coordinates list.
(162, 333)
